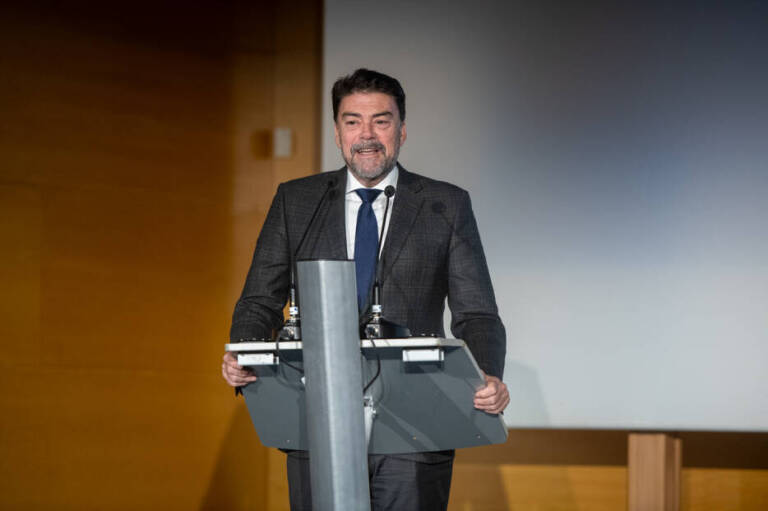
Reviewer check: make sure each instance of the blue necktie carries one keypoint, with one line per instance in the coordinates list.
(366, 245)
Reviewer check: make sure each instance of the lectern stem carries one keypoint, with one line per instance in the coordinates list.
(334, 387)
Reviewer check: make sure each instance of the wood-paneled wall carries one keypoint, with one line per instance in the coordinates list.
(575, 470)
(135, 172)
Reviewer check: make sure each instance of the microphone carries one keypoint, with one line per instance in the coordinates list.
(389, 191)
(378, 327)
(292, 328)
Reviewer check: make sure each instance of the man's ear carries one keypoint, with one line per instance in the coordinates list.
(403, 133)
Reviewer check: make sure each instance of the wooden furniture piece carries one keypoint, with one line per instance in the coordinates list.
(654, 472)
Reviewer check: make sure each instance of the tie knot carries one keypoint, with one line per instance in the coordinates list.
(368, 195)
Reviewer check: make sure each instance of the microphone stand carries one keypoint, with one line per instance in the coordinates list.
(291, 330)
(378, 327)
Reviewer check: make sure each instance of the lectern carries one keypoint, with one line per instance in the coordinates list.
(338, 396)
(420, 401)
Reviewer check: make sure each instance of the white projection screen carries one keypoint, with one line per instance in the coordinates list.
(617, 161)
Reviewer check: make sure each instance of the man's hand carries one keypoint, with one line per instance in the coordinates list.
(235, 374)
(493, 397)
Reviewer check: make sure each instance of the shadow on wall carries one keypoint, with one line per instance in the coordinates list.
(239, 478)
(486, 478)
(525, 394)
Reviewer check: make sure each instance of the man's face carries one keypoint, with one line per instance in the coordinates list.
(369, 134)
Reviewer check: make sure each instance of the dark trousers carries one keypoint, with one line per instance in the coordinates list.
(398, 482)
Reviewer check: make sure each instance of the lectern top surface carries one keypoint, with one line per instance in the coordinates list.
(411, 342)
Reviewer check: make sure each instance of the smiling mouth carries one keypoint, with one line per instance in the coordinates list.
(368, 149)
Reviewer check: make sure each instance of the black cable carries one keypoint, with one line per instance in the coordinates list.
(277, 353)
(378, 370)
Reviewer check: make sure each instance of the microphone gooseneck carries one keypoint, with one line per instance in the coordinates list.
(330, 185)
(292, 328)
(389, 191)
(378, 327)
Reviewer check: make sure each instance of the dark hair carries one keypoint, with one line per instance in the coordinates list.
(365, 80)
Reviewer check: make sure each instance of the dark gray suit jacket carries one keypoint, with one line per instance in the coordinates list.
(432, 251)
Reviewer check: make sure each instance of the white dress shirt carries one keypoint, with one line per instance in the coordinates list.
(353, 202)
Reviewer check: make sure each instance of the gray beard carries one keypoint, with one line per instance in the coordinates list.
(368, 175)
(377, 172)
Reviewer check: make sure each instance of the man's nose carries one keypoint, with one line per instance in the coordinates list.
(367, 131)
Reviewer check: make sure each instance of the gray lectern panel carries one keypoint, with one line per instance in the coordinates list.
(420, 406)
(276, 403)
(428, 406)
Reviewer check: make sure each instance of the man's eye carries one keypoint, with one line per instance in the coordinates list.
(382, 123)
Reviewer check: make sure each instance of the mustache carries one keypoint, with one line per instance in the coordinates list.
(368, 145)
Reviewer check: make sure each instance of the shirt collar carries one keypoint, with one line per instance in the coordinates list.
(391, 179)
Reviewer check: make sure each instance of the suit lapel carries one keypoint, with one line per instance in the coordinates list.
(335, 225)
(333, 235)
(405, 209)
(328, 239)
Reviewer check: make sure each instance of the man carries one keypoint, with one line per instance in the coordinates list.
(431, 251)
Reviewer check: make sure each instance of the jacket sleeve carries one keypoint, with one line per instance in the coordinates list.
(474, 314)
(260, 307)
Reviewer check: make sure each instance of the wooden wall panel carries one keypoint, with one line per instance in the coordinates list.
(20, 228)
(133, 186)
(79, 438)
(298, 93)
(132, 271)
(93, 113)
(537, 487)
(706, 489)
(506, 487)
(562, 470)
